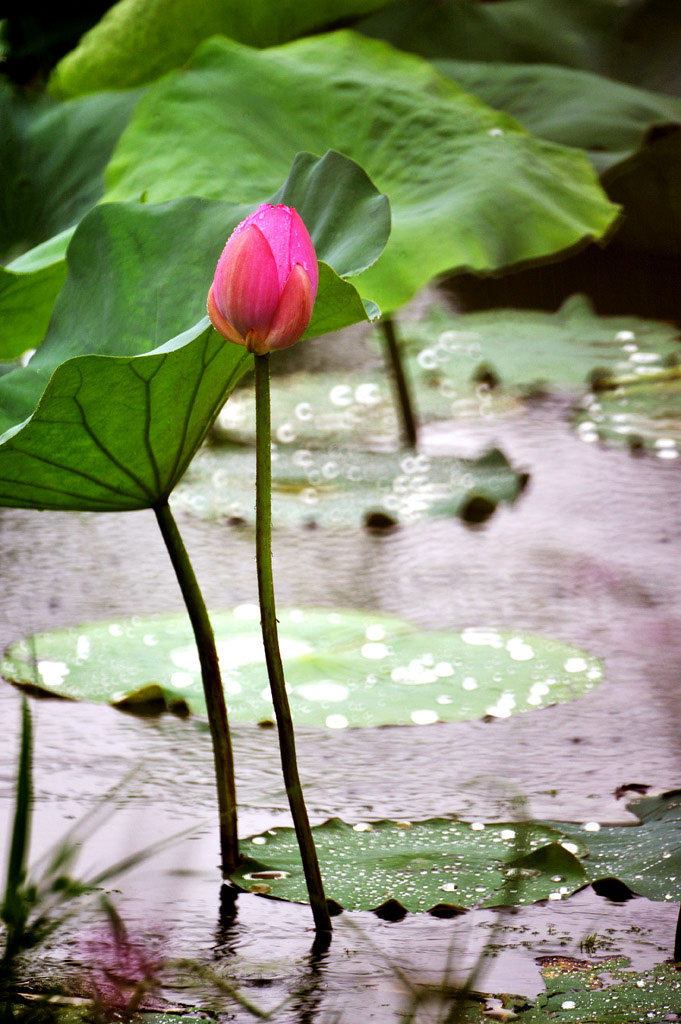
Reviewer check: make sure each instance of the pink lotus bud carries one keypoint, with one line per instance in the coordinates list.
(265, 282)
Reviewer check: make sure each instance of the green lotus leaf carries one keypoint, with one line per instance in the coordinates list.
(646, 857)
(344, 668)
(641, 412)
(610, 120)
(482, 195)
(117, 399)
(418, 865)
(138, 40)
(632, 42)
(52, 158)
(348, 487)
(525, 350)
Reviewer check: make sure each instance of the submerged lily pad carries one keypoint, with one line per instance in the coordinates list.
(346, 487)
(343, 668)
(526, 350)
(644, 414)
(419, 866)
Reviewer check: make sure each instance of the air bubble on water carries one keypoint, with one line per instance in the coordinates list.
(285, 433)
(341, 395)
(427, 359)
(330, 470)
(302, 458)
(303, 412)
(665, 442)
(424, 717)
(53, 672)
(367, 394)
(336, 722)
(667, 453)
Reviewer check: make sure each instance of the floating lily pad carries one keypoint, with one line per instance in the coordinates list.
(346, 487)
(419, 865)
(645, 857)
(642, 414)
(531, 198)
(601, 992)
(343, 668)
(524, 350)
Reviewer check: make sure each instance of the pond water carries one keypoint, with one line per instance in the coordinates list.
(589, 554)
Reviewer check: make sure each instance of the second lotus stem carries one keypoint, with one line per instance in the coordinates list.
(275, 670)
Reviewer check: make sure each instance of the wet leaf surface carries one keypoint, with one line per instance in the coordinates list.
(644, 415)
(418, 865)
(343, 668)
(531, 198)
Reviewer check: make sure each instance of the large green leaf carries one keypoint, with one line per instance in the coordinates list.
(420, 865)
(637, 41)
(468, 187)
(139, 40)
(349, 221)
(344, 668)
(575, 108)
(131, 393)
(51, 160)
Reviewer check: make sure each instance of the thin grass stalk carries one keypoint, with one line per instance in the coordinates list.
(406, 406)
(275, 670)
(212, 686)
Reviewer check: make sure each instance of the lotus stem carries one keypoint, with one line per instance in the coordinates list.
(408, 419)
(275, 670)
(212, 686)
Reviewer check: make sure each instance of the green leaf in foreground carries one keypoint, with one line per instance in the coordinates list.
(483, 194)
(131, 392)
(420, 865)
(344, 668)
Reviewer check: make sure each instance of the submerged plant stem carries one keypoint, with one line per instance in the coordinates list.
(406, 408)
(275, 670)
(212, 686)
